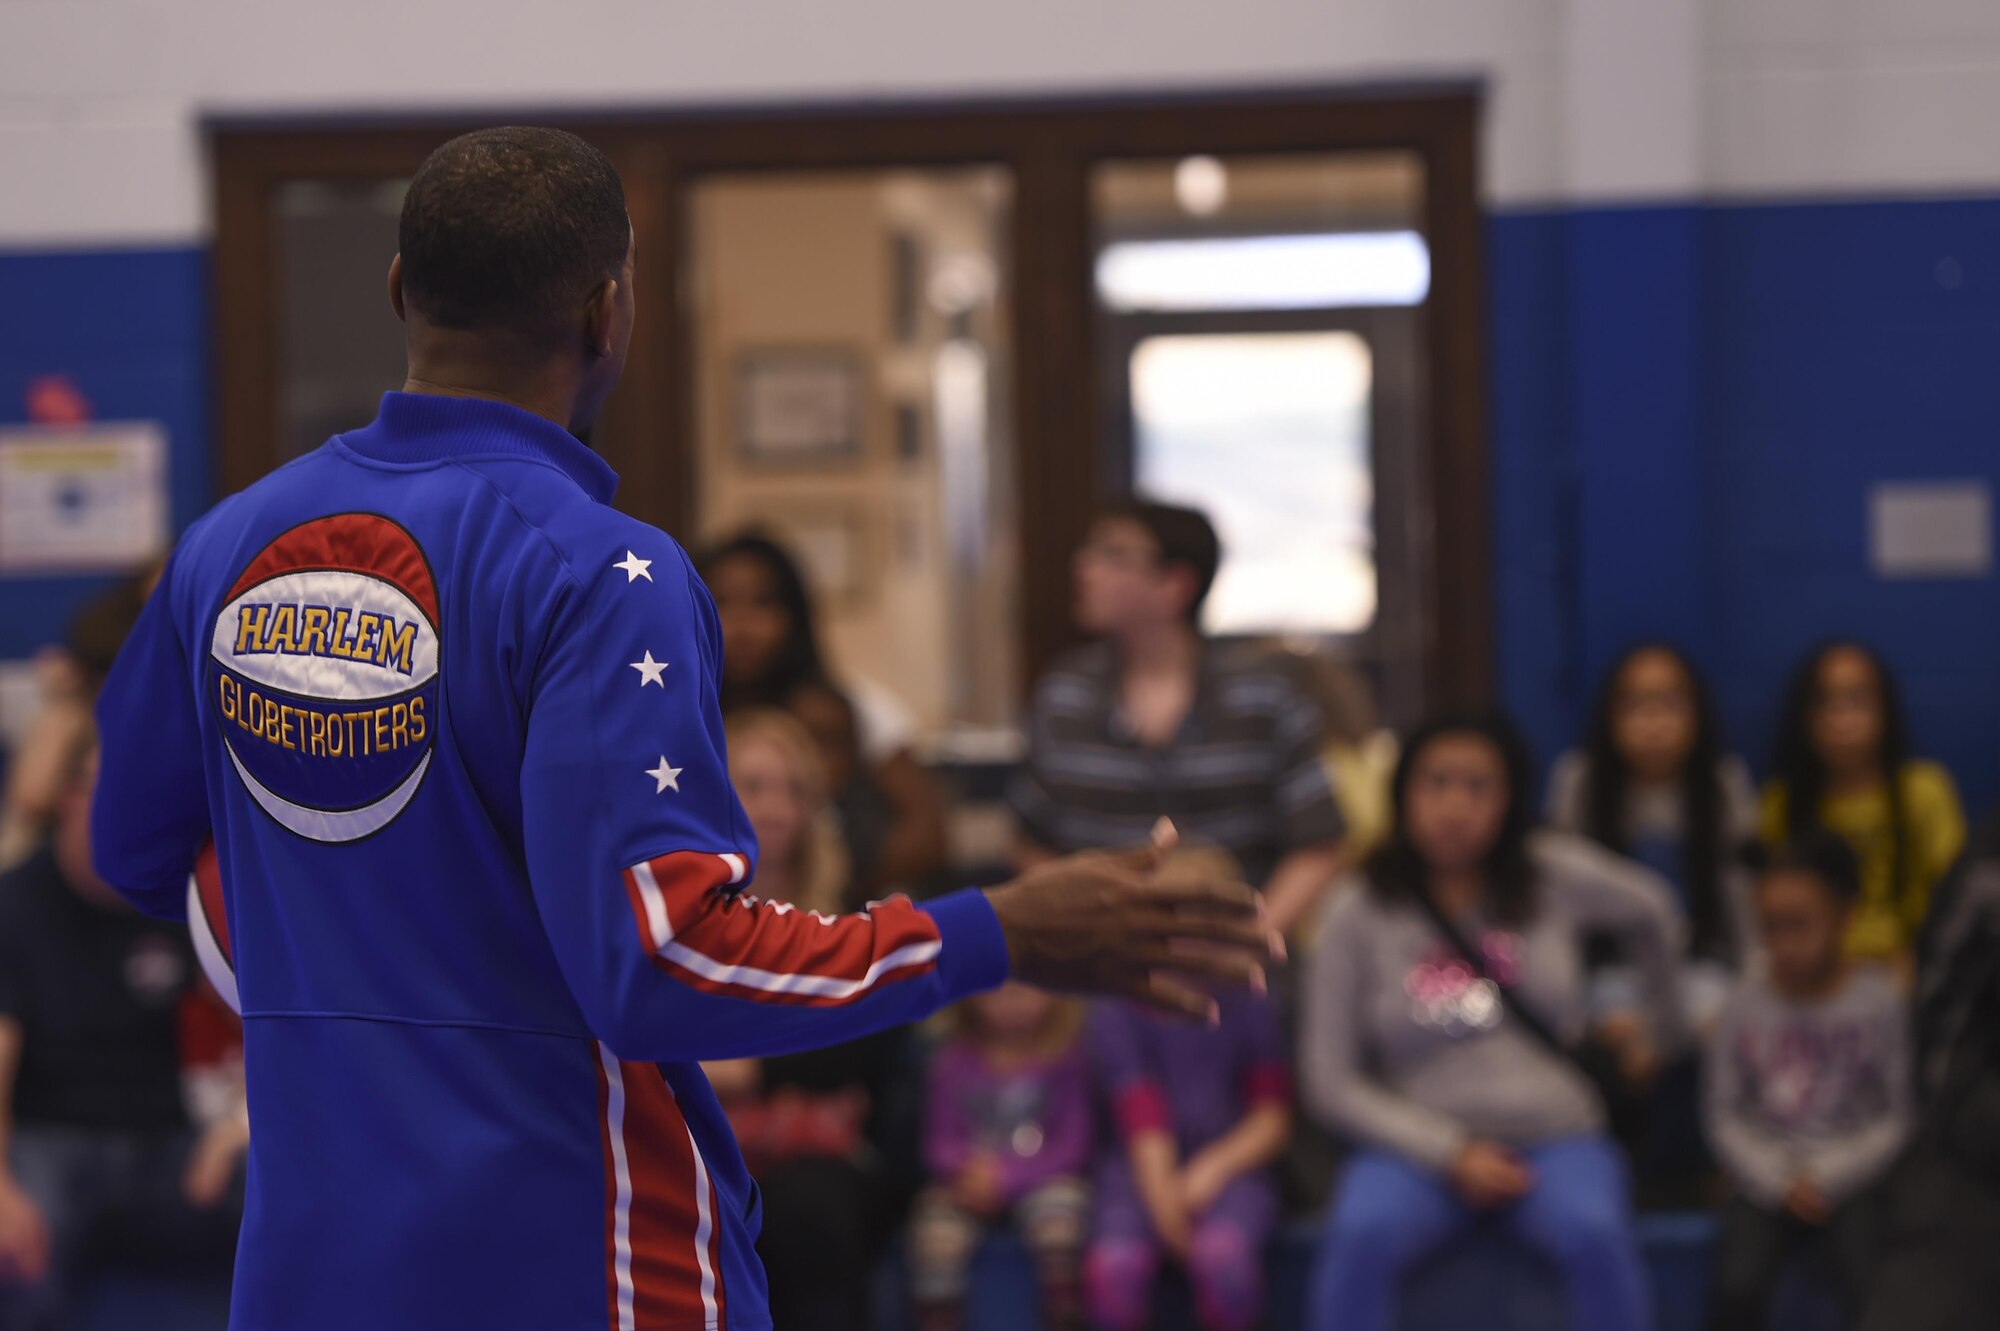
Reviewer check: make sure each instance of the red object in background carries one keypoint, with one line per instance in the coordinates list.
(211, 1034)
(790, 1124)
(54, 399)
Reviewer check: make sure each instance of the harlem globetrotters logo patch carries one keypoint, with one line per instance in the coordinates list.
(325, 675)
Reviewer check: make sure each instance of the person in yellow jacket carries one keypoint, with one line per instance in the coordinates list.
(1844, 763)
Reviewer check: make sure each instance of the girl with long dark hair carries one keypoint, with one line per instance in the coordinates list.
(1425, 1061)
(1654, 782)
(1844, 763)
(893, 812)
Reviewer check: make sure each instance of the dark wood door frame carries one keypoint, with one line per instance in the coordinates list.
(1049, 147)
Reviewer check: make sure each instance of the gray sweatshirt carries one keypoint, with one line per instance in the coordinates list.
(1404, 1050)
(1822, 1089)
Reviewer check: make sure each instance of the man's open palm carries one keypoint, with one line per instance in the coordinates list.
(1104, 923)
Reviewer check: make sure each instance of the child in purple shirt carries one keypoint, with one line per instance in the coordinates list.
(1200, 1113)
(1007, 1133)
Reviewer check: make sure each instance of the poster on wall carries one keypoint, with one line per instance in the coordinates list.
(82, 498)
(798, 407)
(1930, 529)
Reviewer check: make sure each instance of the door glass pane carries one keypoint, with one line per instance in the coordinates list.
(342, 345)
(1268, 432)
(851, 353)
(1261, 325)
(1281, 272)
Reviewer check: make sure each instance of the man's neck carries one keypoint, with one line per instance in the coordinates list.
(548, 406)
(1158, 680)
(451, 363)
(1160, 649)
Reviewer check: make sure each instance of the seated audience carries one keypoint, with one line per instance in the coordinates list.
(101, 1162)
(1007, 1139)
(1934, 1267)
(1153, 720)
(812, 1126)
(1200, 1113)
(1454, 1071)
(1808, 1088)
(1844, 763)
(771, 655)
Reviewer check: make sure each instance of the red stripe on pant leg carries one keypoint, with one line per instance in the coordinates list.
(715, 1250)
(666, 1273)
(610, 1196)
(707, 1173)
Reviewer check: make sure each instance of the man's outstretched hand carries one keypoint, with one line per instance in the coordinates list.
(1103, 923)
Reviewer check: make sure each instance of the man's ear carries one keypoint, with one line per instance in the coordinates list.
(396, 287)
(600, 319)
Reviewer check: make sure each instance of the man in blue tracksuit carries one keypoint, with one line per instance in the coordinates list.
(450, 720)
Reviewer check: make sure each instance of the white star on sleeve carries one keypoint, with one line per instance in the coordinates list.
(635, 568)
(667, 775)
(651, 671)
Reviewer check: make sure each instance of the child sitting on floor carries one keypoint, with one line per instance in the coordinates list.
(1006, 1135)
(1808, 1085)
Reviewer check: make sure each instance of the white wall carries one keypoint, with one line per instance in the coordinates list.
(1591, 100)
(1852, 96)
(100, 99)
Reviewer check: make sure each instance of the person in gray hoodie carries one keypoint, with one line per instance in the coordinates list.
(1458, 1108)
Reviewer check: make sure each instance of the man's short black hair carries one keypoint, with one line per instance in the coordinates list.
(1818, 854)
(511, 229)
(1184, 535)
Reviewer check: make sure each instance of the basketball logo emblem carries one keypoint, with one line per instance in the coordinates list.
(325, 675)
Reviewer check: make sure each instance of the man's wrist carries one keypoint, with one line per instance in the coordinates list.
(973, 949)
(999, 900)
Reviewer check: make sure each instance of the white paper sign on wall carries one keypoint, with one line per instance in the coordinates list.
(82, 498)
(1931, 529)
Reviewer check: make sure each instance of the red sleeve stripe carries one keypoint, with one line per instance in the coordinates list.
(734, 944)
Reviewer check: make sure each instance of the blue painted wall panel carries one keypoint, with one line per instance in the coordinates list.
(1754, 369)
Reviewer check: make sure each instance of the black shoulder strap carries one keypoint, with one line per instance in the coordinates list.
(1533, 1024)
